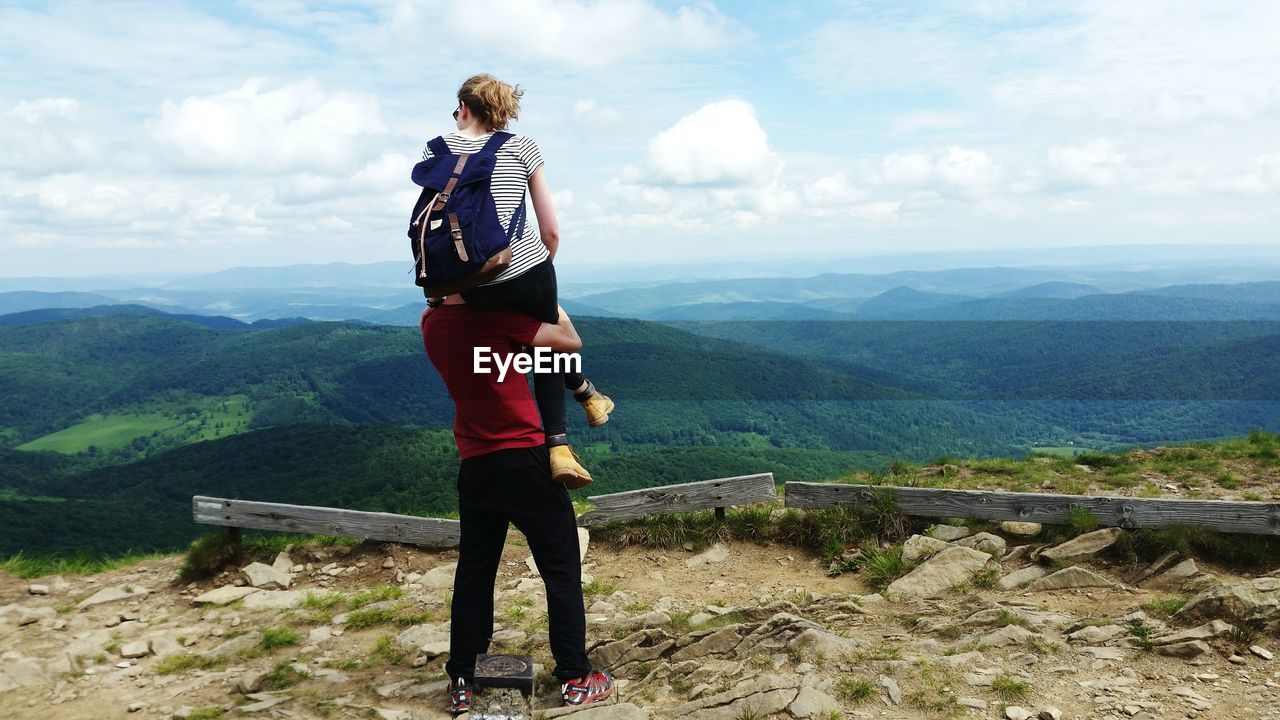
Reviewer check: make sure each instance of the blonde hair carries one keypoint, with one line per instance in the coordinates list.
(496, 103)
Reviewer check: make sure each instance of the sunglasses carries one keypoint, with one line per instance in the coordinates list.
(455, 113)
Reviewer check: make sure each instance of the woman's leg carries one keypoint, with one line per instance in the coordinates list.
(535, 294)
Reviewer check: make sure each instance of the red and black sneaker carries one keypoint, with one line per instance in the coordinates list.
(459, 696)
(596, 686)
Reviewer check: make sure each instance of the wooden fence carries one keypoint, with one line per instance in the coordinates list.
(436, 532)
(1257, 518)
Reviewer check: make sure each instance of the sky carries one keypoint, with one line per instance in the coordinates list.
(188, 137)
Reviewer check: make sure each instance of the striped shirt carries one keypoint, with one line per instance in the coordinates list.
(518, 158)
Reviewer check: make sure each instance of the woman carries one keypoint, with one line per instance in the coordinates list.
(487, 105)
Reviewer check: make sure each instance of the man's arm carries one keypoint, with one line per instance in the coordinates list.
(561, 337)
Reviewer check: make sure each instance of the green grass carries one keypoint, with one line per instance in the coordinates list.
(599, 587)
(380, 593)
(854, 691)
(278, 637)
(1010, 688)
(208, 712)
(282, 676)
(385, 651)
(880, 566)
(170, 422)
(1007, 618)
(37, 566)
(985, 578)
(1165, 607)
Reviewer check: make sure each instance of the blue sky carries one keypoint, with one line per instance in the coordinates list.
(189, 136)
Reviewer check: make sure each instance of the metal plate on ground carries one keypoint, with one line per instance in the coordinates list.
(505, 671)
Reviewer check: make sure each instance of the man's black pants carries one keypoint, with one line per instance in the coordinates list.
(515, 486)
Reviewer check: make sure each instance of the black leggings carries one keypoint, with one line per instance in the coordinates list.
(515, 486)
(534, 293)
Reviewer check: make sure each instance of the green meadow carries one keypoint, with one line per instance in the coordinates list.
(164, 422)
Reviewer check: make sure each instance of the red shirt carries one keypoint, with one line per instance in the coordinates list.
(489, 415)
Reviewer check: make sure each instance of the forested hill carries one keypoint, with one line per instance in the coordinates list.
(146, 505)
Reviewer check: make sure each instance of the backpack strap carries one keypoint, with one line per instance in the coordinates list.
(496, 141)
(437, 146)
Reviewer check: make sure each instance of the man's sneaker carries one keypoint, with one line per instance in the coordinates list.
(566, 469)
(597, 406)
(459, 696)
(596, 686)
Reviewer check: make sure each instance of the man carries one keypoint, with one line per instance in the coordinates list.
(505, 477)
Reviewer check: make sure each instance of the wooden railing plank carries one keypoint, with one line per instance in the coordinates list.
(1257, 518)
(431, 532)
(686, 497)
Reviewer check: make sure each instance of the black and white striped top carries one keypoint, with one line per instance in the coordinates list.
(518, 158)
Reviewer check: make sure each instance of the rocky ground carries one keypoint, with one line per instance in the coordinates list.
(986, 625)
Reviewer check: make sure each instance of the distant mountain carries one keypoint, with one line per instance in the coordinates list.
(331, 275)
(1262, 293)
(21, 301)
(1131, 307)
(902, 301)
(37, 317)
(746, 311)
(1057, 289)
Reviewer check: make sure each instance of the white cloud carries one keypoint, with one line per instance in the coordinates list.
(953, 167)
(296, 126)
(1262, 177)
(34, 111)
(1094, 164)
(580, 33)
(833, 189)
(721, 143)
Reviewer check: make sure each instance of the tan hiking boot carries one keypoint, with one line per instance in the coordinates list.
(566, 469)
(597, 407)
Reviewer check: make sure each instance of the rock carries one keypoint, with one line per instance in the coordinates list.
(947, 533)
(1176, 575)
(31, 616)
(1161, 563)
(1236, 660)
(985, 542)
(509, 637)
(136, 706)
(1006, 636)
(623, 711)
(1211, 629)
(113, 594)
(1190, 649)
(1105, 653)
(266, 577)
(1021, 529)
(720, 642)
(38, 589)
(1261, 652)
(137, 649)
(250, 681)
(972, 703)
(388, 563)
(891, 689)
(1072, 577)
(439, 578)
(715, 554)
(1097, 634)
(236, 645)
(223, 595)
(274, 599)
(943, 571)
(1084, 546)
(759, 696)
(1256, 600)
(827, 644)
(1019, 578)
(1013, 712)
(921, 546)
(283, 562)
(419, 637)
(18, 672)
(812, 703)
(1050, 713)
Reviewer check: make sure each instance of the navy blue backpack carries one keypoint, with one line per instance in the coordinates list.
(458, 241)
